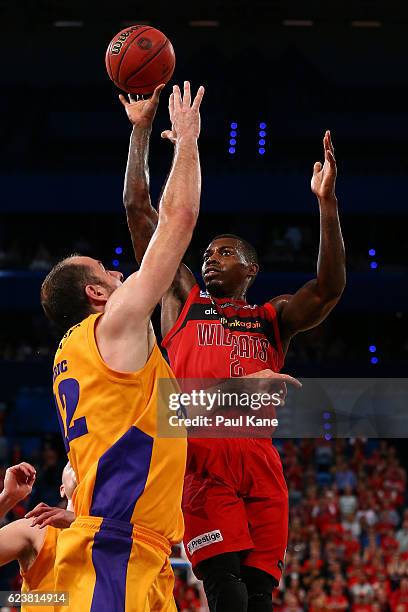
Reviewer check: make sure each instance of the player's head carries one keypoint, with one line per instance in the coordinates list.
(69, 482)
(230, 265)
(76, 287)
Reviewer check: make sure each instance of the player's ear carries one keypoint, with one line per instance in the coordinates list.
(96, 293)
(62, 491)
(253, 270)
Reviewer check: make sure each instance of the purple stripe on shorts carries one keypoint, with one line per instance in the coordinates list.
(110, 556)
(121, 476)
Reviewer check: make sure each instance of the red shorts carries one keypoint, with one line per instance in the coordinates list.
(235, 499)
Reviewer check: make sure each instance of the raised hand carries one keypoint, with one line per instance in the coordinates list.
(184, 115)
(170, 134)
(324, 176)
(19, 480)
(44, 515)
(142, 112)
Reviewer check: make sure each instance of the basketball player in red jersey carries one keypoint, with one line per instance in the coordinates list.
(235, 499)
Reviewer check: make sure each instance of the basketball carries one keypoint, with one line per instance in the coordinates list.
(139, 58)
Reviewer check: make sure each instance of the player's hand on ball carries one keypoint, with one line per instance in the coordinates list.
(44, 515)
(324, 176)
(142, 112)
(19, 480)
(184, 115)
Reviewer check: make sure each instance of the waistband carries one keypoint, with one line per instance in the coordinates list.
(136, 532)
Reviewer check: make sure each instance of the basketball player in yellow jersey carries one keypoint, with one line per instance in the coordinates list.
(115, 555)
(33, 547)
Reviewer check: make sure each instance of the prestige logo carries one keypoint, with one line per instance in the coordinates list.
(205, 539)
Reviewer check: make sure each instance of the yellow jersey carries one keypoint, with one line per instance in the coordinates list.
(108, 420)
(40, 576)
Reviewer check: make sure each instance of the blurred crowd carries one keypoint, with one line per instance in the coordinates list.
(284, 243)
(348, 536)
(342, 340)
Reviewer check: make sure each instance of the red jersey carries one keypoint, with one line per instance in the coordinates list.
(235, 496)
(225, 339)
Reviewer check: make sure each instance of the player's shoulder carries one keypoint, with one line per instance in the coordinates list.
(279, 302)
(72, 332)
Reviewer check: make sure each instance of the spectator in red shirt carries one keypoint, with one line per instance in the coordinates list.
(337, 599)
(291, 603)
(191, 600)
(400, 596)
(388, 543)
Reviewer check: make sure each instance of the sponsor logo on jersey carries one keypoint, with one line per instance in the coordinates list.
(211, 311)
(205, 539)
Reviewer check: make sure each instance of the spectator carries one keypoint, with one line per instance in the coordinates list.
(402, 537)
(400, 596)
(344, 476)
(348, 502)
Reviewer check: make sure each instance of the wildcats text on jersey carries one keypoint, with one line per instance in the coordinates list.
(243, 345)
(223, 339)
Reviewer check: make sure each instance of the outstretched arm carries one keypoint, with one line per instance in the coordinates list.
(311, 304)
(128, 310)
(142, 217)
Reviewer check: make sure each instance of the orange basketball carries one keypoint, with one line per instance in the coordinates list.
(139, 58)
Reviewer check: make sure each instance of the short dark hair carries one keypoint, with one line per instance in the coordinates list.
(247, 248)
(63, 295)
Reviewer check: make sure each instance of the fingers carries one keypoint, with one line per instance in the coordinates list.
(171, 106)
(317, 167)
(281, 378)
(176, 101)
(330, 158)
(26, 465)
(31, 480)
(123, 100)
(168, 135)
(176, 98)
(157, 92)
(290, 380)
(23, 471)
(328, 145)
(187, 94)
(198, 99)
(328, 140)
(39, 520)
(37, 510)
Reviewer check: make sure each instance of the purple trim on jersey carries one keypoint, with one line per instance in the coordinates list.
(110, 556)
(121, 476)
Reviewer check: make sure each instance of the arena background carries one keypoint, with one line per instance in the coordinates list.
(277, 75)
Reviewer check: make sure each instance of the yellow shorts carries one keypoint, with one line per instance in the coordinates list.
(109, 565)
